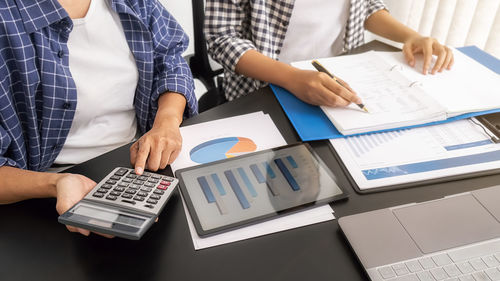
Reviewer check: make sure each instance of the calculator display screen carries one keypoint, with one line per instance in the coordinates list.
(108, 215)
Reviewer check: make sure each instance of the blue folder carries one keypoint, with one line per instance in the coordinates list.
(311, 123)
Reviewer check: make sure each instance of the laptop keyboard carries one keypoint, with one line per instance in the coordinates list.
(444, 266)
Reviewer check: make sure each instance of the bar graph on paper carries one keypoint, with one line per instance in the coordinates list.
(247, 183)
(363, 144)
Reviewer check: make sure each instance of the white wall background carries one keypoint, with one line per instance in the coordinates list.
(454, 22)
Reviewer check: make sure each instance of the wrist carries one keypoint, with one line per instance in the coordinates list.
(167, 120)
(411, 36)
(288, 77)
(54, 180)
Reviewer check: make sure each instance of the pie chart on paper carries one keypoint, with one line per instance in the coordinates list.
(222, 148)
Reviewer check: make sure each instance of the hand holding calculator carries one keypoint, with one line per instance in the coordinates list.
(123, 204)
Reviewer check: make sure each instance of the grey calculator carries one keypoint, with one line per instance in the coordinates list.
(123, 204)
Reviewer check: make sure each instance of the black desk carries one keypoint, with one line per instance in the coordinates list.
(33, 246)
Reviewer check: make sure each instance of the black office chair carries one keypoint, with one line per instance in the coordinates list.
(200, 64)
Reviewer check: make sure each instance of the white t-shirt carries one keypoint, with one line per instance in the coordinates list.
(316, 30)
(106, 76)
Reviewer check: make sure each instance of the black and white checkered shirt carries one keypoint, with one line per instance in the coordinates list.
(234, 27)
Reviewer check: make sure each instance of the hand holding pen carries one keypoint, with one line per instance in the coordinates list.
(356, 100)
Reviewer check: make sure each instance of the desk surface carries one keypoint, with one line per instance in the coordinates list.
(34, 246)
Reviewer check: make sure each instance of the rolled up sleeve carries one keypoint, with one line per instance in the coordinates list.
(171, 72)
(374, 6)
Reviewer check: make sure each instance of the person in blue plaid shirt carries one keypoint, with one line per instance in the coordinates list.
(81, 77)
(255, 40)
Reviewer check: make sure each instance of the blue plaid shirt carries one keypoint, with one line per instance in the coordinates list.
(37, 93)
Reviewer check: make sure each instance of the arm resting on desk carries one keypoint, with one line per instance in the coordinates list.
(310, 86)
(17, 185)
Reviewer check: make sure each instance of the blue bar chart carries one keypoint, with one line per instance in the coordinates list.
(288, 176)
(245, 183)
(206, 189)
(269, 170)
(237, 189)
(218, 184)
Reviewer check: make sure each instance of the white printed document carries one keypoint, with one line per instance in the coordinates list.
(397, 95)
(412, 155)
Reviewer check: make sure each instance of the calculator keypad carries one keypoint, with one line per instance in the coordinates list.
(148, 191)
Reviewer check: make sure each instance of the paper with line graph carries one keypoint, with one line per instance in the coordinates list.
(412, 155)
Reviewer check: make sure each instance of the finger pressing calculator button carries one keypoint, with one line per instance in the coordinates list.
(138, 198)
(98, 194)
(158, 191)
(128, 201)
(111, 197)
(152, 201)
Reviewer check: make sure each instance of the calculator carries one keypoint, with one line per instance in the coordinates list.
(123, 204)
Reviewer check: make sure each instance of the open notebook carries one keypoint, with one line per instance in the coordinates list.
(398, 95)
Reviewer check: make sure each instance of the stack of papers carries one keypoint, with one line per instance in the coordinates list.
(398, 95)
(259, 129)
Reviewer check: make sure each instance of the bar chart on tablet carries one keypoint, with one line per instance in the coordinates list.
(246, 183)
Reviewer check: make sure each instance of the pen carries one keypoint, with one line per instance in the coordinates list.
(321, 68)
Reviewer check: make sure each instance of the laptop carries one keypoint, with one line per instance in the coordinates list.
(454, 238)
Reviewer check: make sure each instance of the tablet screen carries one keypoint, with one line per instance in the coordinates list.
(253, 187)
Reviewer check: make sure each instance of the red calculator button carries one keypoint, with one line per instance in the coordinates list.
(162, 187)
(165, 183)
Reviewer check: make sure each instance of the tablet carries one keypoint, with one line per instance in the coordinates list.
(247, 189)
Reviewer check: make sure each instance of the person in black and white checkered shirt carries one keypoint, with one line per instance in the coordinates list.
(254, 40)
